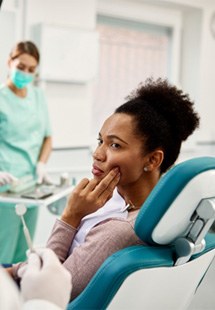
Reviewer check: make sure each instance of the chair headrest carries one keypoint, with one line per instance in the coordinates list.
(166, 213)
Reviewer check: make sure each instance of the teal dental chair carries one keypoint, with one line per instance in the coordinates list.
(174, 222)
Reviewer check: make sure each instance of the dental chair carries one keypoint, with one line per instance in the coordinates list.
(174, 222)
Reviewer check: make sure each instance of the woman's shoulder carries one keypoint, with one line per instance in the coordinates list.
(117, 226)
(6, 95)
(122, 221)
(115, 233)
(4, 90)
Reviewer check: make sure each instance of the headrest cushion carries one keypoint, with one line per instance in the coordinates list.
(166, 212)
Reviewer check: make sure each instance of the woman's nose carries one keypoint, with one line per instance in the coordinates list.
(99, 154)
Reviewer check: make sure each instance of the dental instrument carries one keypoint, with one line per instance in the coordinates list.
(20, 211)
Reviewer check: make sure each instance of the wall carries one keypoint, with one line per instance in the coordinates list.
(8, 19)
(197, 69)
(77, 13)
(207, 69)
(69, 103)
(193, 57)
(152, 14)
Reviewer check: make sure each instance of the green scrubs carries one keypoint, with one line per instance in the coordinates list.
(24, 123)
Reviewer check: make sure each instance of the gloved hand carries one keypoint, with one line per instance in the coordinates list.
(42, 175)
(6, 178)
(44, 277)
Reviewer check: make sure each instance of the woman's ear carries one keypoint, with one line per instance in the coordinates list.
(154, 161)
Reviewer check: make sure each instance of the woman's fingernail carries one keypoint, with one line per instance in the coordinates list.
(116, 169)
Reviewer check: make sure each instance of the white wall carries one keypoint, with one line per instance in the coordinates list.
(69, 103)
(77, 13)
(197, 69)
(207, 77)
(193, 55)
(190, 58)
(198, 66)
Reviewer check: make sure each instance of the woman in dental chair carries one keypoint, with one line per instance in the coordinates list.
(139, 142)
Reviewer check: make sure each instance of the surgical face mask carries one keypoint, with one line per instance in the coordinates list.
(20, 78)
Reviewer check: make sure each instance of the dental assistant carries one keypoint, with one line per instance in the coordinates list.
(25, 142)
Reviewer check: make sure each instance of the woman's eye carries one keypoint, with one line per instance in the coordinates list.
(32, 70)
(99, 141)
(20, 68)
(115, 145)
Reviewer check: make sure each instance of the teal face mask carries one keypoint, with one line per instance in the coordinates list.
(20, 79)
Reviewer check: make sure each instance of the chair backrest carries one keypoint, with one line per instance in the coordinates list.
(173, 221)
(181, 208)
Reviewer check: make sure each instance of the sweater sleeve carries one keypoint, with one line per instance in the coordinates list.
(61, 239)
(102, 241)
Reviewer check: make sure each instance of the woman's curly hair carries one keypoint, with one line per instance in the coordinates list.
(164, 117)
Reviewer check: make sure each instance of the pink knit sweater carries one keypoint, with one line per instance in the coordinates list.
(103, 240)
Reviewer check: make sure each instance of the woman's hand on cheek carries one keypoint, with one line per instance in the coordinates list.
(88, 196)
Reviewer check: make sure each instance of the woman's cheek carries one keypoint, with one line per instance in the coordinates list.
(113, 161)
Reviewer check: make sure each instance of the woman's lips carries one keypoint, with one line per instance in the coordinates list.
(96, 171)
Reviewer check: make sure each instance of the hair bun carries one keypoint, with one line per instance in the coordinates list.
(171, 104)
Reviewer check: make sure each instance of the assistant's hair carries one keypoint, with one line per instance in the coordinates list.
(164, 117)
(25, 47)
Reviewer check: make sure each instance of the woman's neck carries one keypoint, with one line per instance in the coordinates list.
(20, 92)
(136, 194)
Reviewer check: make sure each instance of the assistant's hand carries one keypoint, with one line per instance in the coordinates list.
(42, 175)
(44, 277)
(88, 196)
(6, 178)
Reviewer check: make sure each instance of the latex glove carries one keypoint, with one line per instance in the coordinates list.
(42, 175)
(44, 277)
(6, 178)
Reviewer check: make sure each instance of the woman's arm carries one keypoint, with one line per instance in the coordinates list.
(45, 150)
(102, 241)
(61, 239)
(87, 197)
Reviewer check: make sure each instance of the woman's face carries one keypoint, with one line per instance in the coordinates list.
(24, 62)
(119, 146)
